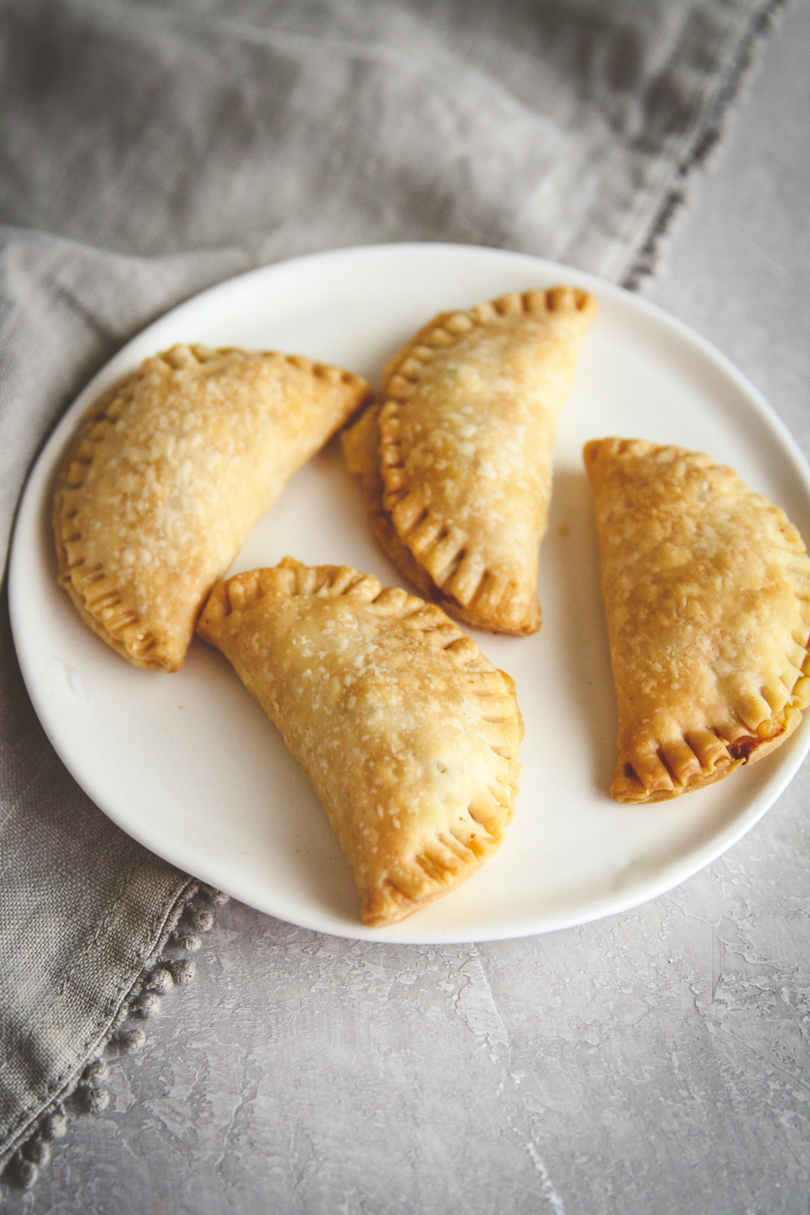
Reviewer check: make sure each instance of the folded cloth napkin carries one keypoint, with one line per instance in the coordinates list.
(150, 149)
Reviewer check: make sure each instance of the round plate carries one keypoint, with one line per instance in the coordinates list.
(189, 765)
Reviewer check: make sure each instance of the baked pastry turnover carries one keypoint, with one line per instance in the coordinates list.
(407, 732)
(455, 458)
(168, 475)
(707, 595)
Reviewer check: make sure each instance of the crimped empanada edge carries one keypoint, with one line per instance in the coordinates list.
(464, 584)
(124, 630)
(389, 903)
(387, 536)
(745, 747)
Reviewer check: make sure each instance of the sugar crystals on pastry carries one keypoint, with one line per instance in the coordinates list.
(408, 734)
(455, 459)
(707, 597)
(168, 475)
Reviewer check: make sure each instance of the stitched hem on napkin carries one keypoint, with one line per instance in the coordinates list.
(703, 140)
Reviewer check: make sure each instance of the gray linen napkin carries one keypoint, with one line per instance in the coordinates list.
(149, 149)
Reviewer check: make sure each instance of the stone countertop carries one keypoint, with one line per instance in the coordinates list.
(655, 1062)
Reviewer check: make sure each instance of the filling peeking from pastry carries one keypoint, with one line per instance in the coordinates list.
(408, 734)
(707, 596)
(455, 458)
(167, 477)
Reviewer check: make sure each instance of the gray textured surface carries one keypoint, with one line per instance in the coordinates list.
(135, 127)
(652, 1063)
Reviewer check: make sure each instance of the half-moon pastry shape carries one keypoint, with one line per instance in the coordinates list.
(707, 596)
(455, 459)
(168, 475)
(408, 734)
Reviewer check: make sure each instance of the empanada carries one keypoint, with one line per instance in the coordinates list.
(168, 475)
(407, 732)
(455, 459)
(707, 595)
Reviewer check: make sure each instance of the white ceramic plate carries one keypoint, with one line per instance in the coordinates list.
(189, 765)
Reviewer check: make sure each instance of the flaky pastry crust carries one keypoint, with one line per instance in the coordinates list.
(407, 732)
(455, 458)
(168, 475)
(707, 597)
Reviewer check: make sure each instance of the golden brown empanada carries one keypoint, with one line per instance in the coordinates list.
(407, 732)
(707, 595)
(455, 458)
(168, 475)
